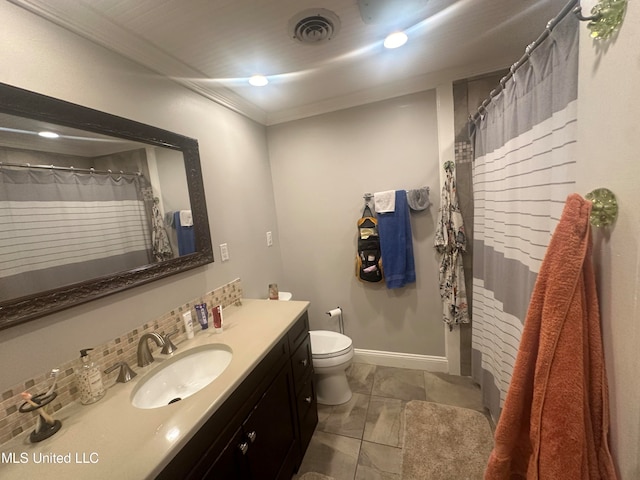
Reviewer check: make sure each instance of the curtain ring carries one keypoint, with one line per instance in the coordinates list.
(549, 26)
(529, 49)
(512, 69)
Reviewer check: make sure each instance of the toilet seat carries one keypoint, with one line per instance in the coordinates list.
(327, 344)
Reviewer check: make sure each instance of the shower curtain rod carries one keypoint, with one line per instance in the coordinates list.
(572, 6)
(70, 169)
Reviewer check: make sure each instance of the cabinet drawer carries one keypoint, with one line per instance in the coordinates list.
(301, 363)
(299, 330)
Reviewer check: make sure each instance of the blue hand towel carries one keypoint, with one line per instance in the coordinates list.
(396, 244)
(186, 236)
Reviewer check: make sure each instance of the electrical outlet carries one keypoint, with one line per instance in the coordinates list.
(224, 252)
(269, 239)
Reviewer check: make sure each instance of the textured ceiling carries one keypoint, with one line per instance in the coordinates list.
(213, 46)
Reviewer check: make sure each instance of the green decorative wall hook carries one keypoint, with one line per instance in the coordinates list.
(605, 207)
(606, 17)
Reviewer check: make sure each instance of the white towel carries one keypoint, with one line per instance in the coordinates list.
(186, 219)
(385, 201)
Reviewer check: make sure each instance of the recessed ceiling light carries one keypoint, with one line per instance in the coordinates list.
(395, 40)
(258, 80)
(48, 134)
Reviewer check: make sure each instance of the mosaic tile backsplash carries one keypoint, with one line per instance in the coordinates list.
(463, 152)
(122, 348)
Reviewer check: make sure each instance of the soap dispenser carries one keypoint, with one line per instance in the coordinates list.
(89, 379)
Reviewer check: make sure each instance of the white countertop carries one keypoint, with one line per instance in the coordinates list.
(113, 439)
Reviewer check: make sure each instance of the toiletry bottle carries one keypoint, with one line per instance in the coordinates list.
(89, 379)
(218, 323)
(203, 315)
(188, 323)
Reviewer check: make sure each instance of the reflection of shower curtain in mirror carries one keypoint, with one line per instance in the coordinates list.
(60, 227)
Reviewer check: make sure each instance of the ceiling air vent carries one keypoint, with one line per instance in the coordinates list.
(314, 26)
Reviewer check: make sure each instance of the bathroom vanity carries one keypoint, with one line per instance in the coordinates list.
(263, 429)
(253, 421)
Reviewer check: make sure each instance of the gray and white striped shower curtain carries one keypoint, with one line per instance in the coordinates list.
(62, 227)
(524, 168)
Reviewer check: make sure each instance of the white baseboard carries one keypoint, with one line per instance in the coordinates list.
(414, 361)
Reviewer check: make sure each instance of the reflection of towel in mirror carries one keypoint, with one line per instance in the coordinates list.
(186, 219)
(186, 236)
(396, 243)
(168, 219)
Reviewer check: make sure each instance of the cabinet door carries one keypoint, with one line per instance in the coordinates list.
(302, 363)
(231, 463)
(270, 429)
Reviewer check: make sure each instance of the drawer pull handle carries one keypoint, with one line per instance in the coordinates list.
(304, 362)
(252, 436)
(308, 399)
(244, 446)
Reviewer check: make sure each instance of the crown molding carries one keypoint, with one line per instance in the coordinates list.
(78, 17)
(384, 92)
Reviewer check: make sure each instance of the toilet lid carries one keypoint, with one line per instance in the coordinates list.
(328, 344)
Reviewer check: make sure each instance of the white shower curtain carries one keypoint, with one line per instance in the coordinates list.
(524, 168)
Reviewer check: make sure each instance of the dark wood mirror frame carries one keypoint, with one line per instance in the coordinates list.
(23, 103)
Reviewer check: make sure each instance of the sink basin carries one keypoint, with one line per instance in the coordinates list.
(181, 376)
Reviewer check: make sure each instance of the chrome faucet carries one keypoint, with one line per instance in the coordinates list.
(169, 347)
(144, 354)
(125, 374)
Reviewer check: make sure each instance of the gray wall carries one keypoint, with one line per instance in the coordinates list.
(608, 148)
(321, 168)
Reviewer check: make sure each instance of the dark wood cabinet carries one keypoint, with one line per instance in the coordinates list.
(306, 405)
(270, 430)
(262, 431)
(230, 464)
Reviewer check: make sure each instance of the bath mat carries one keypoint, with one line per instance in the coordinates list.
(314, 476)
(442, 442)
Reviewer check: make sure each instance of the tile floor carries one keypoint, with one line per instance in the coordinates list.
(362, 439)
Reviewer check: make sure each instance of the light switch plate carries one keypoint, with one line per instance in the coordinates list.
(269, 239)
(224, 252)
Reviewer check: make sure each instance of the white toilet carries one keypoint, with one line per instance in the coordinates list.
(332, 353)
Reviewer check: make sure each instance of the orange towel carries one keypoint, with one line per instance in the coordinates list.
(555, 420)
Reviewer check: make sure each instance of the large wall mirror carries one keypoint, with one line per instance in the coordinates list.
(91, 204)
